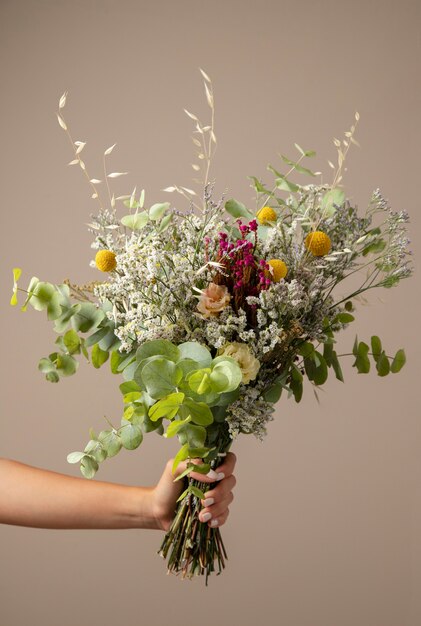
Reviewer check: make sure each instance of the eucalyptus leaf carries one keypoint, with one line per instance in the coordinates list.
(273, 393)
(362, 362)
(237, 209)
(286, 185)
(332, 197)
(199, 381)
(195, 351)
(135, 221)
(131, 436)
(337, 367)
(158, 347)
(231, 369)
(160, 377)
(199, 411)
(127, 387)
(66, 365)
(383, 365)
(87, 317)
(166, 407)
(75, 457)
(376, 347)
(175, 426)
(72, 341)
(157, 210)
(98, 356)
(398, 361)
(88, 466)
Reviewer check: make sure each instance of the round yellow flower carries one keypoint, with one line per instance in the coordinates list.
(105, 260)
(266, 214)
(318, 243)
(279, 269)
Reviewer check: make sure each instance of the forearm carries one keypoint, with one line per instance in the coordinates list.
(44, 499)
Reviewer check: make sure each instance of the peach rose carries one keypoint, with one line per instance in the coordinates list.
(213, 300)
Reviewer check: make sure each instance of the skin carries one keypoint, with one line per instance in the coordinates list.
(40, 498)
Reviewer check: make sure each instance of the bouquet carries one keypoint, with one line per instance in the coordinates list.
(208, 315)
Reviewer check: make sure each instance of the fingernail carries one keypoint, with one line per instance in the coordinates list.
(220, 476)
(212, 474)
(208, 501)
(214, 522)
(206, 517)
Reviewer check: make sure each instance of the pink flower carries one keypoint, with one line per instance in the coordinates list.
(213, 300)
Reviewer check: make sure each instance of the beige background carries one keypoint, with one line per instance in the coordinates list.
(325, 529)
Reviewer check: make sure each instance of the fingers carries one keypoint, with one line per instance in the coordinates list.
(215, 509)
(222, 471)
(215, 506)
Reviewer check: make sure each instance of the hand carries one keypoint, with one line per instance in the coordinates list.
(215, 506)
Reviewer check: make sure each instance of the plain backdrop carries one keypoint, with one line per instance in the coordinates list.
(325, 529)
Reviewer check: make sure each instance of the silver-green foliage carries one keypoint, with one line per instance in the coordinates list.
(179, 384)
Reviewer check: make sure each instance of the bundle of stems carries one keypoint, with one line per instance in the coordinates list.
(191, 546)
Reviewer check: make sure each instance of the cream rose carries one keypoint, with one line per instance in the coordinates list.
(249, 365)
(213, 300)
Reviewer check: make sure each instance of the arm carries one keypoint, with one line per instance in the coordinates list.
(41, 498)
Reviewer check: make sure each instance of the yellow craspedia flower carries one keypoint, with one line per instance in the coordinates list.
(266, 214)
(318, 243)
(279, 269)
(105, 260)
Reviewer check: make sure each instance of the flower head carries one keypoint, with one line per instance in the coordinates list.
(213, 300)
(105, 260)
(278, 269)
(249, 365)
(266, 214)
(318, 243)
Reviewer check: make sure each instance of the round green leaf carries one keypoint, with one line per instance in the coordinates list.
(136, 221)
(158, 347)
(398, 362)
(98, 356)
(194, 436)
(131, 436)
(88, 466)
(66, 365)
(72, 341)
(110, 441)
(166, 407)
(157, 210)
(75, 457)
(160, 377)
(42, 294)
(87, 317)
(195, 351)
(199, 381)
(230, 368)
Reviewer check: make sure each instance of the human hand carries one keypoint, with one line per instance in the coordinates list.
(215, 506)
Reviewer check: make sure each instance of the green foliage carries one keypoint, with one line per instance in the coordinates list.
(135, 221)
(237, 209)
(164, 382)
(156, 212)
(362, 362)
(381, 360)
(87, 318)
(167, 407)
(398, 362)
(331, 198)
(16, 275)
(131, 435)
(98, 356)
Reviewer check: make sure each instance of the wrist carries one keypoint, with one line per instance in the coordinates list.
(142, 510)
